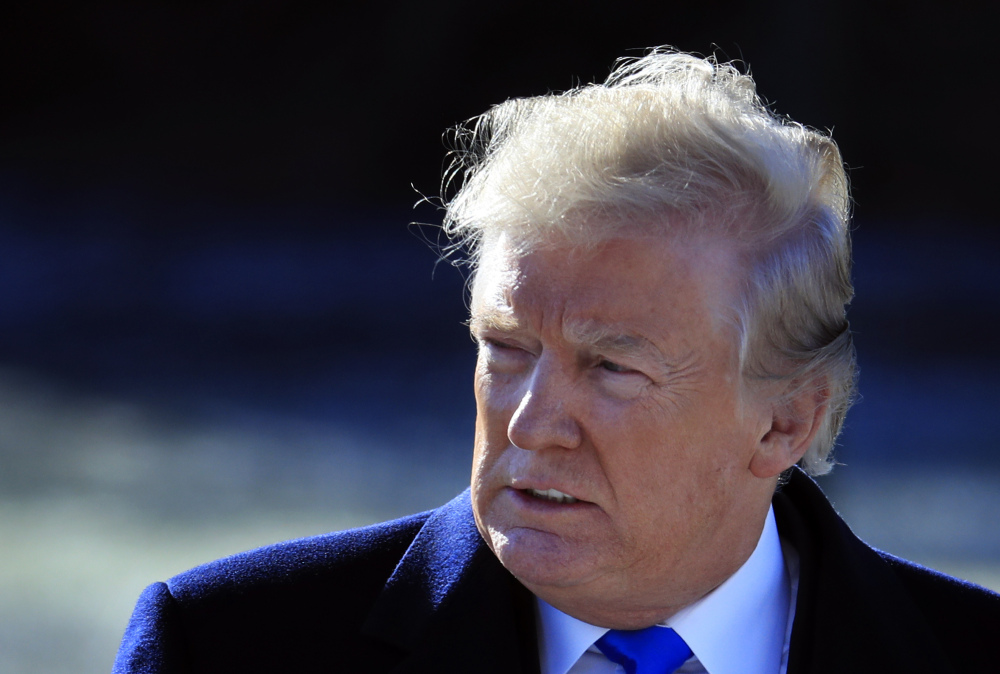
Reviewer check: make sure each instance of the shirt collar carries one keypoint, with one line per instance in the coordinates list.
(741, 622)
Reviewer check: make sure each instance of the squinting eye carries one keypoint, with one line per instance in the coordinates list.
(613, 367)
(502, 357)
(498, 350)
(496, 345)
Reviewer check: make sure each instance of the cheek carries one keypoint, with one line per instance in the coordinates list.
(654, 455)
(492, 419)
(497, 397)
(485, 472)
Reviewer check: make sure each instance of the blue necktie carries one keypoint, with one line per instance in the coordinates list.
(654, 650)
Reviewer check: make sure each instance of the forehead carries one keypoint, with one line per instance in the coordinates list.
(639, 281)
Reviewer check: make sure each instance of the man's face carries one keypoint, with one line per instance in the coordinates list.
(611, 377)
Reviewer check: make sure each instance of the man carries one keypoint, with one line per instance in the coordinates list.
(661, 269)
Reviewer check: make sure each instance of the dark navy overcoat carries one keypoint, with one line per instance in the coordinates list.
(424, 594)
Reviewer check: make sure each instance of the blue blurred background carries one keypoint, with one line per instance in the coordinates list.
(219, 329)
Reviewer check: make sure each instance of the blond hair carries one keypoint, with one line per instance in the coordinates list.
(681, 144)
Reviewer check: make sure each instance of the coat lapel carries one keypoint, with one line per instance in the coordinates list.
(852, 612)
(450, 605)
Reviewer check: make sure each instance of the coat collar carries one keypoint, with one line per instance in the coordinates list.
(852, 612)
(450, 602)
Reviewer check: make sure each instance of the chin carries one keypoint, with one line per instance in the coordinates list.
(539, 558)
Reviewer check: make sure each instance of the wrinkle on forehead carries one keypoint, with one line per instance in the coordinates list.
(498, 272)
(501, 274)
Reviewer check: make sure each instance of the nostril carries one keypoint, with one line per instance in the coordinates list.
(535, 426)
(543, 417)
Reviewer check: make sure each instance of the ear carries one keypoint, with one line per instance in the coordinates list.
(796, 417)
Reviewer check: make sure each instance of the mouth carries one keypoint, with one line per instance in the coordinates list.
(551, 495)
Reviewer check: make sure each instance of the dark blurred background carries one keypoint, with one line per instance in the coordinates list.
(218, 327)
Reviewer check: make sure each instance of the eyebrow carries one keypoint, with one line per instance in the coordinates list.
(606, 337)
(613, 338)
(497, 321)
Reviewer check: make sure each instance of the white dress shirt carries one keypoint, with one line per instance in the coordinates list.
(741, 627)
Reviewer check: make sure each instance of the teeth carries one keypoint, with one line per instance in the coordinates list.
(552, 495)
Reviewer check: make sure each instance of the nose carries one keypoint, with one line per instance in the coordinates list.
(543, 419)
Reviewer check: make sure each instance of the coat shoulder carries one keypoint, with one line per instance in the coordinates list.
(371, 551)
(965, 616)
(282, 607)
(883, 613)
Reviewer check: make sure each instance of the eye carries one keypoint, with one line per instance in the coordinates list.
(613, 367)
(502, 357)
(497, 349)
(496, 344)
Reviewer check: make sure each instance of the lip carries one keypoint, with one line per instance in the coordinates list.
(522, 499)
(523, 485)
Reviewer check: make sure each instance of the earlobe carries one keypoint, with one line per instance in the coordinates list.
(795, 421)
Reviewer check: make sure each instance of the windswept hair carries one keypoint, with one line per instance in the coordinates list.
(680, 144)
